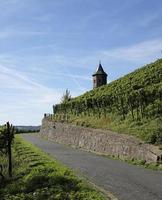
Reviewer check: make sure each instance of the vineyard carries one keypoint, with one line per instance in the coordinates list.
(131, 104)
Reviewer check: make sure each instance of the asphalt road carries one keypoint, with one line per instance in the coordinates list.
(125, 181)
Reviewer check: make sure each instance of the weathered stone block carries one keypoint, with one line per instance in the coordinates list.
(101, 141)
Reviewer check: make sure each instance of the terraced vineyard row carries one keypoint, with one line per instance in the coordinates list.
(136, 97)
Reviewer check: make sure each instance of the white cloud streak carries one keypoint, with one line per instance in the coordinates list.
(27, 97)
(10, 33)
(138, 52)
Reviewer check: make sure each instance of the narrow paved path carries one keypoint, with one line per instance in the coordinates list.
(126, 182)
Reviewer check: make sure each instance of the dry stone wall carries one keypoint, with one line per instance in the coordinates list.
(100, 141)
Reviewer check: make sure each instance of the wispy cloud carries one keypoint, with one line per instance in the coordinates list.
(137, 52)
(19, 92)
(17, 79)
(10, 33)
(22, 95)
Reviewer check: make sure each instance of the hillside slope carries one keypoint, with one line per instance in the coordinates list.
(131, 104)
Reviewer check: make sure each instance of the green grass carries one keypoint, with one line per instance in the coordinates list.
(142, 163)
(37, 176)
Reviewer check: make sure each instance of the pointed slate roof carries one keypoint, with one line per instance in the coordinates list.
(99, 70)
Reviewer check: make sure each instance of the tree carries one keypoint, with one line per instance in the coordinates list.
(66, 96)
(6, 139)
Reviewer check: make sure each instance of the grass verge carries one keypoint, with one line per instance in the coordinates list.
(36, 176)
(142, 163)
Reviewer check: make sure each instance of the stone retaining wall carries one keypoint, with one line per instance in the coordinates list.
(100, 141)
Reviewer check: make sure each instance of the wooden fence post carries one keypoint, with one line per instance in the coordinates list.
(10, 136)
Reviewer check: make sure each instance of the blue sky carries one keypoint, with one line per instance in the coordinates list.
(47, 46)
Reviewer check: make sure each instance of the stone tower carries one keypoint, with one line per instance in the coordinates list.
(99, 77)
